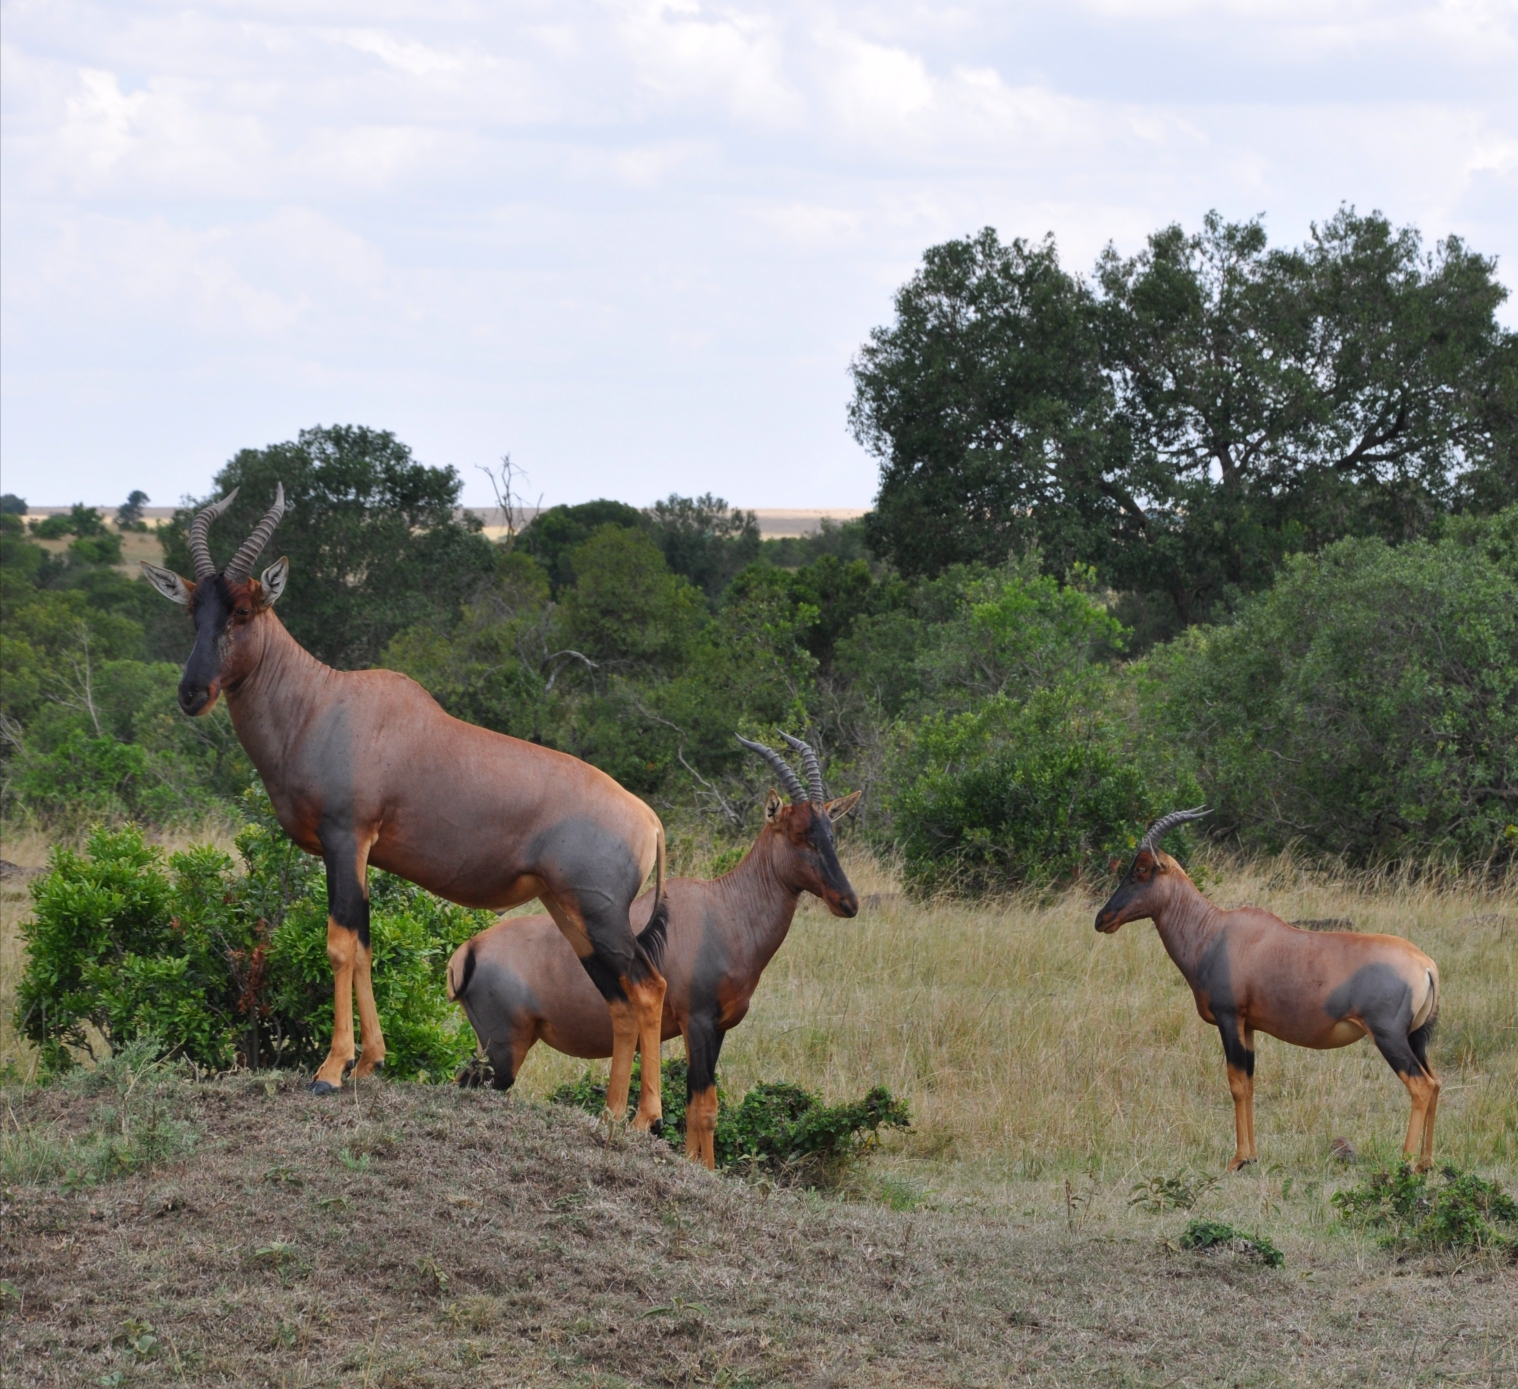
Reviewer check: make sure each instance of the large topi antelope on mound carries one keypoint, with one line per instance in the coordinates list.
(1251, 972)
(364, 767)
(518, 983)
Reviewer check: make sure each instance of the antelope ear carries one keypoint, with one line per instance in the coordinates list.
(168, 583)
(838, 809)
(274, 579)
(773, 805)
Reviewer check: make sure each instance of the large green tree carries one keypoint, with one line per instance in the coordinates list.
(377, 541)
(1196, 413)
(986, 404)
(1278, 399)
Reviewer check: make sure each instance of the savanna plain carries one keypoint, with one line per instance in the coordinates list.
(418, 1234)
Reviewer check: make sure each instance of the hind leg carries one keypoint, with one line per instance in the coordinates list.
(634, 994)
(1422, 1088)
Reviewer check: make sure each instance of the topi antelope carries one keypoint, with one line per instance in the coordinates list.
(364, 767)
(517, 983)
(1251, 972)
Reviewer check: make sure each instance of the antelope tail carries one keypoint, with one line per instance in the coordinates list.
(652, 938)
(460, 971)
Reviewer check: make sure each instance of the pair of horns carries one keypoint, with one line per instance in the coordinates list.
(242, 562)
(1161, 827)
(813, 790)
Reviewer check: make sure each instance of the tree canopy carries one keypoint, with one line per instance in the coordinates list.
(1191, 414)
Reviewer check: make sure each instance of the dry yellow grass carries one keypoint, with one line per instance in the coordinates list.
(1030, 1047)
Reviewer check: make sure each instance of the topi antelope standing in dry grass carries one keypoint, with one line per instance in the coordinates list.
(364, 767)
(1251, 972)
(518, 983)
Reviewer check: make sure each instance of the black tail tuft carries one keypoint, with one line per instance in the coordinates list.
(653, 937)
(462, 986)
(1419, 1038)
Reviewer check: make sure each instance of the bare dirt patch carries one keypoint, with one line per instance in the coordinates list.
(415, 1235)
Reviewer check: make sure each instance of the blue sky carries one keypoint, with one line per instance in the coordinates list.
(636, 245)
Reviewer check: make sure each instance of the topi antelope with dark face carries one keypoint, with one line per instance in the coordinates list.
(364, 767)
(1251, 972)
(518, 983)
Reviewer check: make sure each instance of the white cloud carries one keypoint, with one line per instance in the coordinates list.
(637, 242)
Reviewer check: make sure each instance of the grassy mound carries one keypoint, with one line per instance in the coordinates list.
(410, 1235)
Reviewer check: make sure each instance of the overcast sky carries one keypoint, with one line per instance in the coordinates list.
(636, 245)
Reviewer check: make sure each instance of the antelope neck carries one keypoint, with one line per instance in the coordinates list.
(758, 903)
(1187, 924)
(273, 701)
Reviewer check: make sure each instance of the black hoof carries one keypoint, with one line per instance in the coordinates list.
(324, 1087)
(657, 1128)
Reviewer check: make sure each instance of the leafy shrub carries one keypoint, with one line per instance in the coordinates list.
(221, 965)
(1026, 767)
(1366, 706)
(785, 1130)
(1033, 792)
(1449, 1209)
(1216, 1234)
(778, 1128)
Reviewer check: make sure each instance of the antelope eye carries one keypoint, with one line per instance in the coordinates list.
(243, 612)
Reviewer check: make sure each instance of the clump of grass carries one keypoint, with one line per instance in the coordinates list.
(1447, 1209)
(133, 1130)
(1218, 1234)
(778, 1129)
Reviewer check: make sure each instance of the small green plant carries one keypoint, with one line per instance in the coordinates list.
(778, 1129)
(1218, 1234)
(1447, 1209)
(1178, 1192)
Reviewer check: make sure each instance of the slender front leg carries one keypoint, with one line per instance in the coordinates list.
(351, 954)
(1238, 1053)
(703, 1044)
(342, 946)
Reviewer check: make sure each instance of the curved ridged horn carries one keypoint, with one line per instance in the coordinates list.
(1161, 827)
(200, 550)
(242, 562)
(781, 767)
(809, 765)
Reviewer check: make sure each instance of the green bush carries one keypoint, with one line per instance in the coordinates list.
(1449, 1209)
(1216, 1234)
(1367, 706)
(1036, 792)
(222, 966)
(778, 1128)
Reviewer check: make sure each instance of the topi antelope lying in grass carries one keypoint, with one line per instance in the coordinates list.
(1251, 972)
(518, 981)
(363, 766)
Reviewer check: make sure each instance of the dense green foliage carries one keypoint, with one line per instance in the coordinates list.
(87, 712)
(1366, 706)
(777, 1128)
(1445, 1209)
(221, 965)
(1193, 413)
